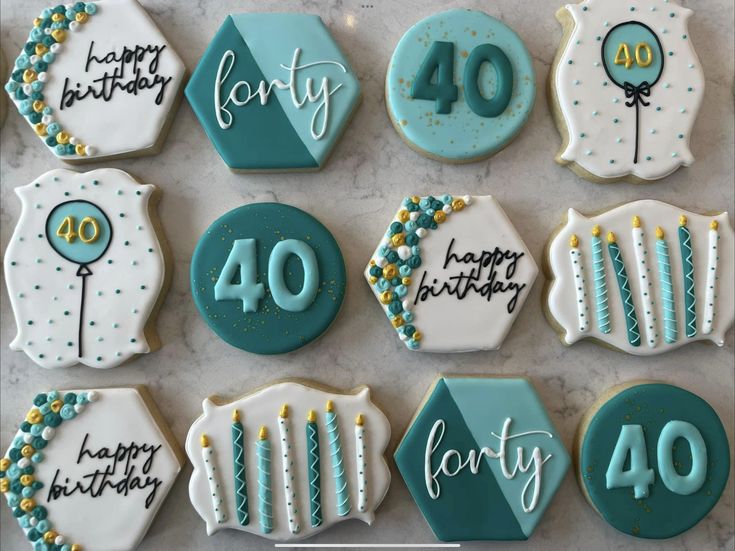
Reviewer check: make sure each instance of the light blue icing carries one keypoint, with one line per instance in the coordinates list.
(639, 476)
(272, 39)
(601, 300)
(77, 251)
(265, 493)
(338, 467)
(632, 33)
(667, 291)
(462, 134)
(485, 404)
(282, 295)
(677, 483)
(242, 262)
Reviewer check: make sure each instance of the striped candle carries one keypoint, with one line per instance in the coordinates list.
(644, 282)
(583, 319)
(690, 300)
(361, 463)
(631, 321)
(213, 480)
(338, 467)
(265, 498)
(241, 485)
(289, 478)
(312, 450)
(598, 265)
(667, 287)
(709, 301)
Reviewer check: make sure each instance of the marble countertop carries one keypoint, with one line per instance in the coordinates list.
(370, 171)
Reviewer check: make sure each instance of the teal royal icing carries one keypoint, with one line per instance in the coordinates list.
(472, 499)
(282, 295)
(314, 473)
(439, 60)
(462, 134)
(690, 299)
(270, 329)
(289, 131)
(677, 463)
(631, 320)
(667, 290)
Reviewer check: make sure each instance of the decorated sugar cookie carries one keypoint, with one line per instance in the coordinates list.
(644, 277)
(482, 459)
(626, 87)
(89, 469)
(460, 86)
(451, 273)
(268, 278)
(97, 80)
(274, 92)
(652, 458)
(85, 269)
(288, 460)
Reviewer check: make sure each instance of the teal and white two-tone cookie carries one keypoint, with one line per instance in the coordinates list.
(460, 86)
(653, 459)
(268, 278)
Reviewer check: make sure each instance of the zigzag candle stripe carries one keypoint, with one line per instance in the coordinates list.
(690, 299)
(644, 282)
(315, 490)
(338, 468)
(631, 321)
(598, 263)
(667, 288)
(712, 257)
(241, 486)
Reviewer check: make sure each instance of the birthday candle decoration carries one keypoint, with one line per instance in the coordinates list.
(265, 499)
(315, 491)
(709, 301)
(598, 265)
(667, 288)
(338, 468)
(690, 300)
(644, 282)
(241, 486)
(631, 321)
(214, 486)
(578, 269)
(361, 463)
(289, 484)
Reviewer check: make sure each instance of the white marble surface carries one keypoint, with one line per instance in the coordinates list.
(369, 172)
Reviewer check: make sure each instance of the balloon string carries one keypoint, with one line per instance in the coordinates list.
(82, 272)
(637, 93)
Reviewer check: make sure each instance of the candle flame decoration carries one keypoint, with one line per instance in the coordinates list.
(204, 441)
(283, 414)
(682, 220)
(236, 415)
(311, 416)
(714, 225)
(359, 420)
(329, 407)
(263, 433)
(610, 237)
(659, 232)
(636, 222)
(573, 241)
(596, 230)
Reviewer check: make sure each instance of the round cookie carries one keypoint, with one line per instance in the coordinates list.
(625, 89)
(644, 277)
(97, 80)
(89, 469)
(268, 278)
(652, 458)
(86, 269)
(460, 86)
(288, 460)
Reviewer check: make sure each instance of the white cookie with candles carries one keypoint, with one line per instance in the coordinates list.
(288, 460)
(645, 277)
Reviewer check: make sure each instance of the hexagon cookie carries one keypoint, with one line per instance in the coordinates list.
(274, 92)
(89, 469)
(482, 459)
(97, 80)
(451, 273)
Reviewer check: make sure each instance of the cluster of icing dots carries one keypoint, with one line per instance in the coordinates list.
(31, 73)
(17, 482)
(399, 254)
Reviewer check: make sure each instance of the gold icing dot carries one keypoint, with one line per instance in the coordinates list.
(464, 53)
(398, 239)
(37, 22)
(29, 75)
(373, 280)
(56, 404)
(41, 49)
(34, 416)
(82, 17)
(390, 271)
(59, 35)
(386, 297)
(40, 129)
(403, 216)
(27, 504)
(458, 204)
(26, 480)
(50, 536)
(38, 106)
(76, 547)
(57, 17)
(415, 199)
(406, 281)
(4, 464)
(404, 122)
(397, 321)
(62, 137)
(417, 336)
(439, 216)
(27, 450)
(4, 485)
(80, 149)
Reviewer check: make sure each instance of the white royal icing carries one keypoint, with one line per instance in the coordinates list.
(562, 296)
(261, 409)
(589, 107)
(44, 287)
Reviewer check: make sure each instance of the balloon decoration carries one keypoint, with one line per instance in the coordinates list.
(634, 60)
(80, 232)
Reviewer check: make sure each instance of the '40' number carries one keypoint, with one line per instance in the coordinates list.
(623, 57)
(87, 232)
(440, 60)
(640, 477)
(243, 261)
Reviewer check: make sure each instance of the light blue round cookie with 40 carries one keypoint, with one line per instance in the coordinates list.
(460, 86)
